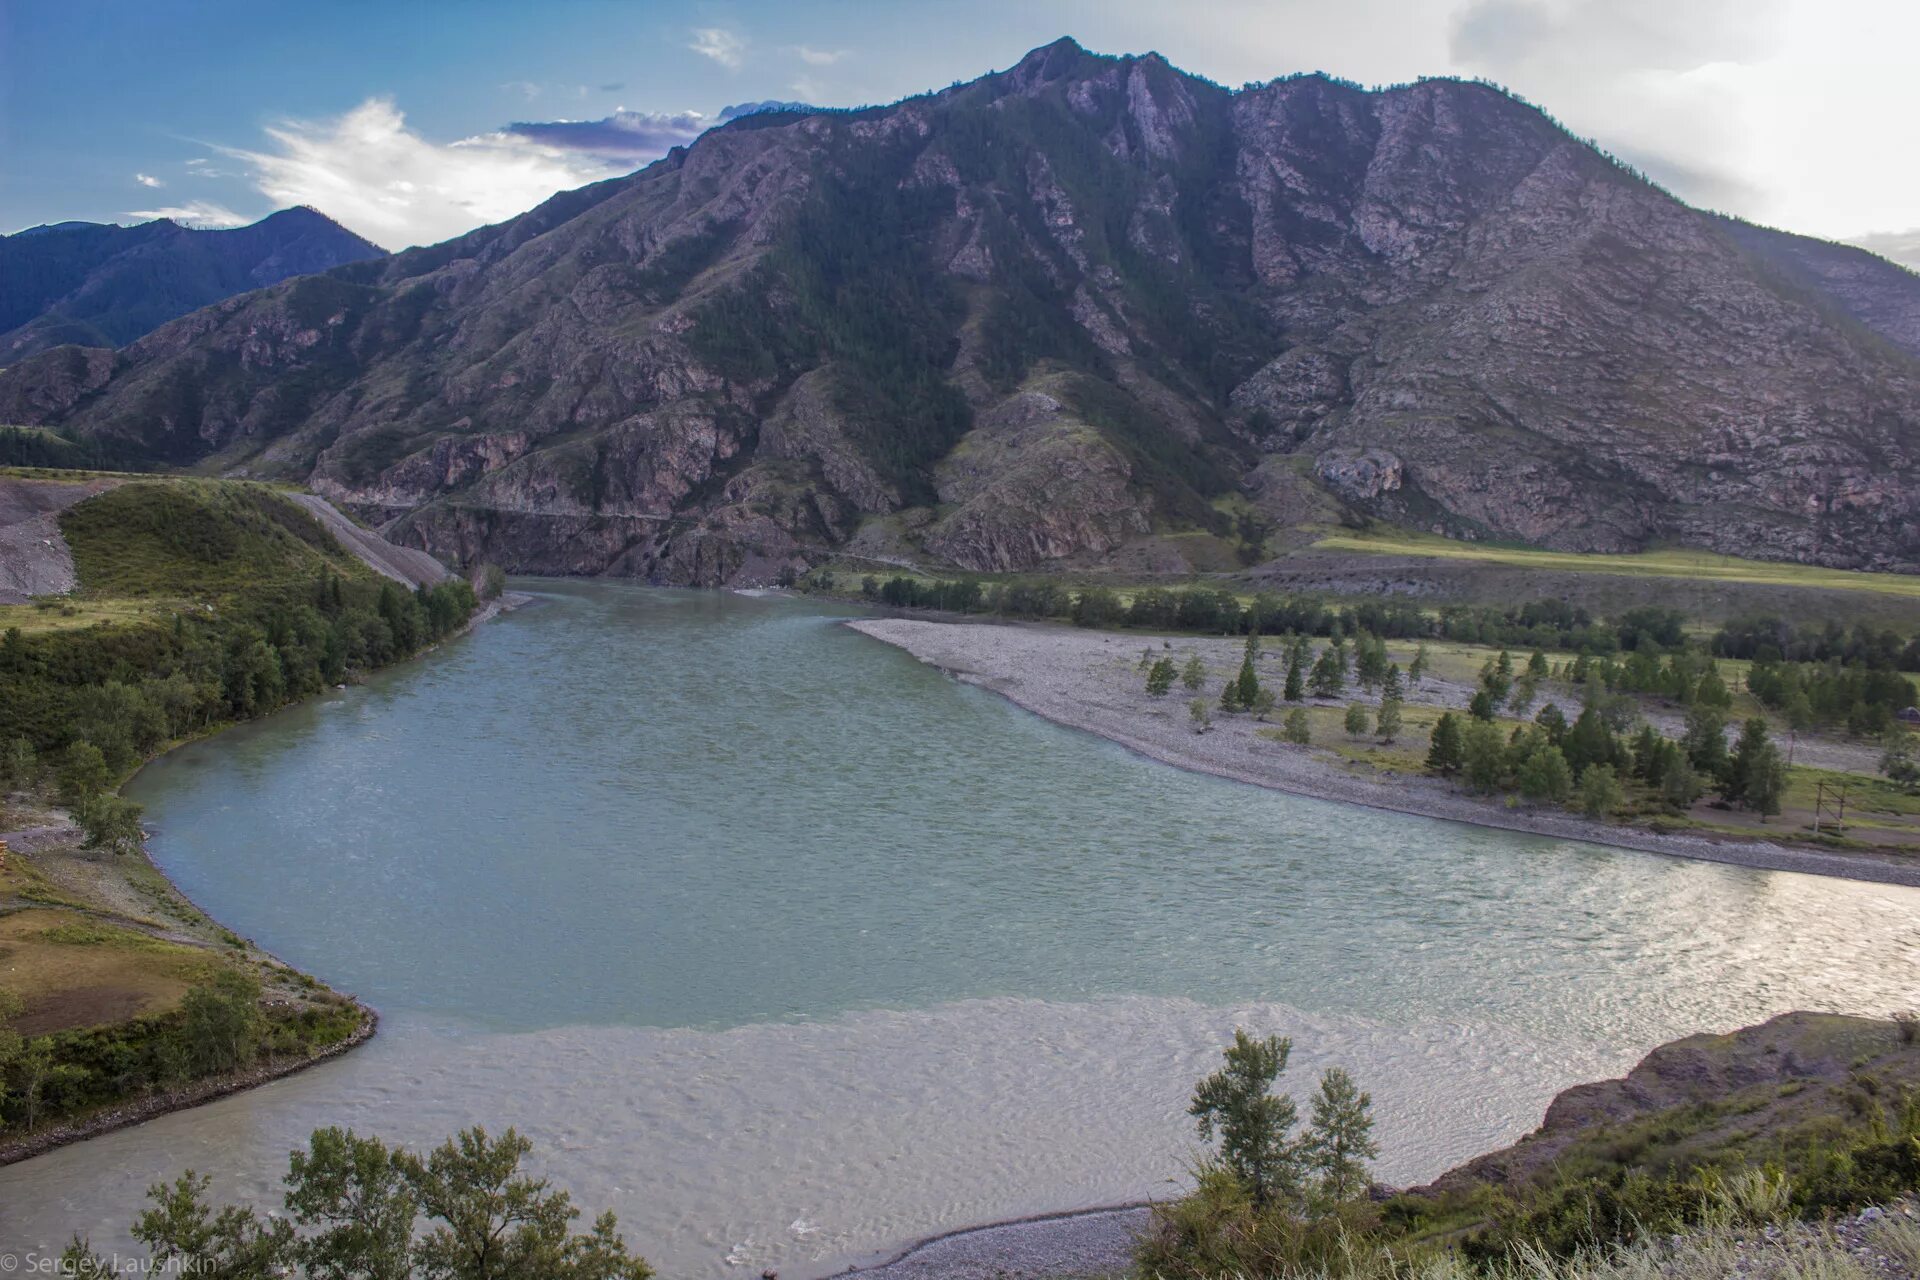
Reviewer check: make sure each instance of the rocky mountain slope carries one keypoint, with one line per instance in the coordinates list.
(1090, 311)
(101, 285)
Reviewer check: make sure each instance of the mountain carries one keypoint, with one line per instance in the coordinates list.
(102, 285)
(1088, 312)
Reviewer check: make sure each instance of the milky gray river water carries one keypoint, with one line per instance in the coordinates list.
(791, 950)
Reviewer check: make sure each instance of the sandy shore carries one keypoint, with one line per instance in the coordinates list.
(1087, 680)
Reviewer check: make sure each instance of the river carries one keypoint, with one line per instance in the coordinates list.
(790, 949)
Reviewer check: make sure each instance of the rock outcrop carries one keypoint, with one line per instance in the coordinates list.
(1046, 315)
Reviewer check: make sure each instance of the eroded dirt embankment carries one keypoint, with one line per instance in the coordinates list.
(34, 559)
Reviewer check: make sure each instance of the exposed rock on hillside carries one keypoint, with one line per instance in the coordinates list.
(1047, 314)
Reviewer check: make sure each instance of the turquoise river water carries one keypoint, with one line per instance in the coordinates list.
(791, 950)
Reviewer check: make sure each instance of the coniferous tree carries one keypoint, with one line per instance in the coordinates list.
(1297, 729)
(1357, 720)
(1254, 1125)
(1387, 724)
(1339, 1140)
(1248, 682)
(1160, 678)
(1296, 681)
(1194, 674)
(1444, 752)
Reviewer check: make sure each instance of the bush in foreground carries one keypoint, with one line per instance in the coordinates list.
(356, 1207)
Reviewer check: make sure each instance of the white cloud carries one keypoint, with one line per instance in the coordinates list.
(148, 180)
(370, 172)
(819, 57)
(195, 213)
(720, 44)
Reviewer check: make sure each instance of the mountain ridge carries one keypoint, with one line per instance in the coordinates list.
(1087, 312)
(101, 284)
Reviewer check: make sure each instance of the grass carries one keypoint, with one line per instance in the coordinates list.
(206, 539)
(75, 613)
(1671, 563)
(78, 971)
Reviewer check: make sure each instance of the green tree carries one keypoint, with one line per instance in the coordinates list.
(1193, 676)
(1357, 720)
(1537, 665)
(1387, 725)
(353, 1206)
(1417, 669)
(495, 1223)
(1445, 752)
(1297, 729)
(19, 765)
(1483, 757)
(1712, 691)
(221, 1022)
(1254, 1125)
(1201, 717)
(111, 823)
(1600, 793)
(11, 1043)
(1262, 703)
(1798, 712)
(83, 774)
(1544, 775)
(1296, 688)
(1756, 775)
(1160, 678)
(1705, 739)
(1329, 678)
(354, 1211)
(1247, 684)
(187, 1236)
(1394, 686)
(1339, 1140)
(1896, 758)
(1482, 706)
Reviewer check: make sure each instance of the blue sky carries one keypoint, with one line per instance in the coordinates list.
(398, 118)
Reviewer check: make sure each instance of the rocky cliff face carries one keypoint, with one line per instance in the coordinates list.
(87, 283)
(1050, 315)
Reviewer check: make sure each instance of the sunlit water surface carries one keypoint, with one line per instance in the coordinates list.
(790, 949)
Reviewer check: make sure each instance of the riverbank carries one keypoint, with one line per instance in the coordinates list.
(139, 924)
(1087, 680)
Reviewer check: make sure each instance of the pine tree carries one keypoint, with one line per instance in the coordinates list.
(1297, 730)
(1393, 688)
(1417, 669)
(1329, 678)
(1339, 1139)
(1296, 680)
(1249, 680)
(1387, 724)
(1444, 754)
(1254, 1124)
(1194, 674)
(1357, 720)
(1160, 678)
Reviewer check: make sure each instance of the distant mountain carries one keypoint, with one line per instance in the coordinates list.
(1089, 312)
(101, 285)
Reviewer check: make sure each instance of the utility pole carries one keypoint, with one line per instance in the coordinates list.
(1834, 795)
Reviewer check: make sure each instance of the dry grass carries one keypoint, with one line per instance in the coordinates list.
(1681, 564)
(79, 972)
